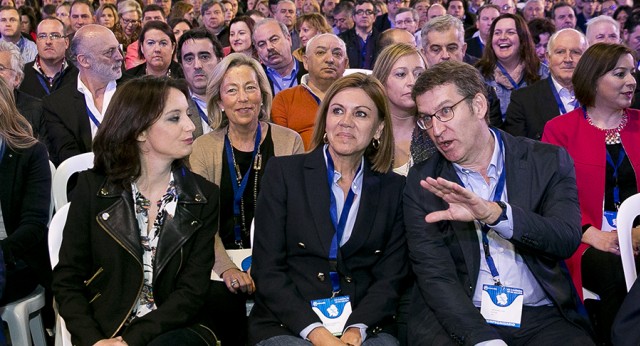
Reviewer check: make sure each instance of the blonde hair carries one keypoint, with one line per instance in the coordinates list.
(217, 118)
(389, 56)
(15, 130)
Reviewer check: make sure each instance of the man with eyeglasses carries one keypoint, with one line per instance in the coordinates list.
(80, 14)
(506, 6)
(50, 70)
(198, 54)
(73, 113)
(407, 19)
(388, 20)
(343, 17)
(489, 220)
(362, 40)
(10, 30)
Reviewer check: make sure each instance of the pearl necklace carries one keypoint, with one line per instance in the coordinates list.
(612, 136)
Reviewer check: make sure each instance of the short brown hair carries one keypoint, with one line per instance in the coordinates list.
(135, 106)
(381, 158)
(595, 63)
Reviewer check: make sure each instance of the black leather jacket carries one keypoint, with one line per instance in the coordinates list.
(99, 277)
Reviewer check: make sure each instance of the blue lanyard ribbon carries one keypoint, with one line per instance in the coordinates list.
(274, 80)
(54, 86)
(515, 85)
(485, 229)
(2, 149)
(93, 118)
(239, 187)
(203, 115)
(616, 188)
(557, 96)
(338, 224)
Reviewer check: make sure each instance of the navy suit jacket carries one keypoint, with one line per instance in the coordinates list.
(530, 109)
(541, 186)
(292, 240)
(474, 48)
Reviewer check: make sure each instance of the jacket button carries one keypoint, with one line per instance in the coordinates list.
(105, 216)
(302, 246)
(348, 279)
(104, 191)
(194, 223)
(198, 198)
(321, 276)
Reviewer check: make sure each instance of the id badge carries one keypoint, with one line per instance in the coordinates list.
(609, 221)
(333, 312)
(502, 305)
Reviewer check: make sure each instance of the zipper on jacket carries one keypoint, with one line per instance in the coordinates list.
(88, 282)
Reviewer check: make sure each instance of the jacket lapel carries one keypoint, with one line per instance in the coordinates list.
(84, 125)
(317, 187)
(119, 219)
(516, 170)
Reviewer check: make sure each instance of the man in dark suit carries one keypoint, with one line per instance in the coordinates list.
(531, 107)
(362, 40)
(30, 107)
(486, 15)
(273, 43)
(388, 20)
(198, 53)
(517, 195)
(73, 113)
(50, 71)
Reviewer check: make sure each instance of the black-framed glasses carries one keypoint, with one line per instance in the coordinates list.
(425, 121)
(367, 12)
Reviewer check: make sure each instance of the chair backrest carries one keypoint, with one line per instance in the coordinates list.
(52, 167)
(55, 233)
(627, 212)
(65, 170)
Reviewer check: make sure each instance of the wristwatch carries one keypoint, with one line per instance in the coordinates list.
(503, 215)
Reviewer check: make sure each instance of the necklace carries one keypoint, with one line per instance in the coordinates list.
(612, 136)
(257, 166)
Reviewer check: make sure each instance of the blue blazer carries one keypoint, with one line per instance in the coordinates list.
(292, 240)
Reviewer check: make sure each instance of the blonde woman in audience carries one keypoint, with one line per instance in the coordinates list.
(234, 156)
(128, 27)
(397, 68)
(308, 26)
(107, 16)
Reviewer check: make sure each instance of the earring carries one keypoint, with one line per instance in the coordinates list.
(375, 143)
(325, 139)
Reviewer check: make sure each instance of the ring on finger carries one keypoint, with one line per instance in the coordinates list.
(234, 282)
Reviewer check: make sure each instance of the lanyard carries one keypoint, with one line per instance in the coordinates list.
(338, 224)
(314, 96)
(54, 85)
(239, 187)
(515, 85)
(93, 118)
(616, 188)
(557, 96)
(274, 79)
(485, 229)
(2, 149)
(204, 116)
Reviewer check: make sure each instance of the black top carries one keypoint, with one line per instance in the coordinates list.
(626, 178)
(243, 160)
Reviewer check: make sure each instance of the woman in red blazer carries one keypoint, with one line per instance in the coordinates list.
(603, 138)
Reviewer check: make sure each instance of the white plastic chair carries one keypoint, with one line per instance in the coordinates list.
(356, 70)
(63, 338)
(627, 212)
(66, 169)
(24, 319)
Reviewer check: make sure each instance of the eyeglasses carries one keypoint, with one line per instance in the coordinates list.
(128, 22)
(405, 22)
(425, 121)
(54, 36)
(367, 12)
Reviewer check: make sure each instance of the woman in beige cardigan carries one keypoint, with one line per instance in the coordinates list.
(234, 156)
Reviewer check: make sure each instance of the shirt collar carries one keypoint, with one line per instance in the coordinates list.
(356, 185)
(562, 91)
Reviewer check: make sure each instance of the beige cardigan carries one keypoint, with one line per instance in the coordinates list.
(206, 160)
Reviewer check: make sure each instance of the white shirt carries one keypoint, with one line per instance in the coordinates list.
(566, 96)
(88, 99)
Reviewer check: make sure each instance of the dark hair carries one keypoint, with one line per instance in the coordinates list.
(254, 13)
(200, 34)
(207, 4)
(155, 25)
(360, 3)
(76, 2)
(175, 21)
(49, 10)
(135, 106)
(29, 12)
(622, 8)
(245, 19)
(631, 24)
(344, 6)
(179, 9)
(484, 7)
(381, 158)
(527, 52)
(464, 77)
(539, 26)
(558, 5)
(465, 6)
(596, 61)
(153, 8)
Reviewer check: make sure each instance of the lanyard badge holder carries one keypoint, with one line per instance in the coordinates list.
(500, 305)
(609, 217)
(334, 311)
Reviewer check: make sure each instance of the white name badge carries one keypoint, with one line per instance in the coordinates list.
(333, 312)
(502, 305)
(609, 221)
